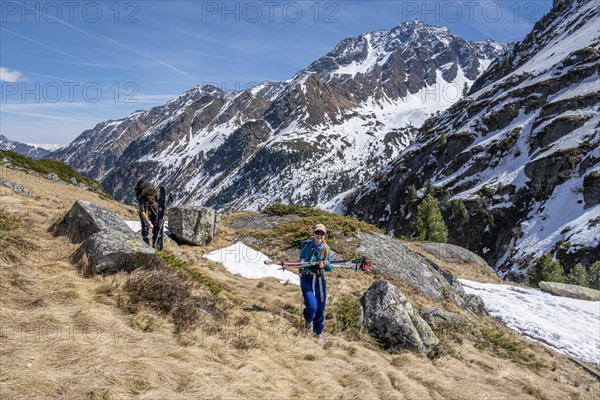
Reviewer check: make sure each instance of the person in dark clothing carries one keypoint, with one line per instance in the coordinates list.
(147, 198)
(312, 279)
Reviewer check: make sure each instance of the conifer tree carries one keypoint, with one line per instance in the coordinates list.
(459, 212)
(547, 270)
(594, 276)
(412, 192)
(430, 223)
(578, 276)
(430, 188)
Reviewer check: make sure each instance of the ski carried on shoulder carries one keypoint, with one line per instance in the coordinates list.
(359, 263)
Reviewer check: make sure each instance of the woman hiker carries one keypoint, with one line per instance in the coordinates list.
(312, 279)
(146, 195)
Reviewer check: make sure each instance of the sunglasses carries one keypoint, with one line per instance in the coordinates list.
(320, 233)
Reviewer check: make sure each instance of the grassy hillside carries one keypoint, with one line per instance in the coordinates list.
(186, 328)
(46, 166)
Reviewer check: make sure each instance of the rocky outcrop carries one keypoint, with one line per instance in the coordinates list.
(192, 225)
(572, 291)
(591, 189)
(390, 318)
(391, 258)
(20, 189)
(259, 221)
(106, 243)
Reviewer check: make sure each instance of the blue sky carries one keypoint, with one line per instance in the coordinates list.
(67, 65)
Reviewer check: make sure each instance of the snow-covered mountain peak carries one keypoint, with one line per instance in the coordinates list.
(521, 153)
(411, 41)
(350, 111)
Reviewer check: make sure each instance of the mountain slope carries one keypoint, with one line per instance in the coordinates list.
(304, 140)
(522, 152)
(78, 337)
(29, 150)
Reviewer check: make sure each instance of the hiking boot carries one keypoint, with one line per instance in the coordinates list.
(319, 337)
(308, 325)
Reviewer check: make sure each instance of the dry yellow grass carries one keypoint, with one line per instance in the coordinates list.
(64, 336)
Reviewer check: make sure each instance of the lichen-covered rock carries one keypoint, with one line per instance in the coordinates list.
(438, 319)
(113, 251)
(193, 225)
(390, 257)
(107, 243)
(86, 218)
(572, 291)
(390, 318)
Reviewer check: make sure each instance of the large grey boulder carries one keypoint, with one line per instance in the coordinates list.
(112, 251)
(107, 243)
(192, 225)
(86, 218)
(390, 318)
(572, 291)
(390, 257)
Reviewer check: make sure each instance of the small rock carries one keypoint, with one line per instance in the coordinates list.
(181, 256)
(73, 180)
(53, 177)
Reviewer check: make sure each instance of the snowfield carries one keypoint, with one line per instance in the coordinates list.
(569, 326)
(240, 259)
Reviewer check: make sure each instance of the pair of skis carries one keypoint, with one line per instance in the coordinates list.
(357, 264)
(160, 218)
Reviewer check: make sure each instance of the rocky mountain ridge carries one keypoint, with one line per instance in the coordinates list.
(29, 150)
(305, 140)
(521, 153)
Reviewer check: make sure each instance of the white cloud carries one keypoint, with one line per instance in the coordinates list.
(9, 76)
